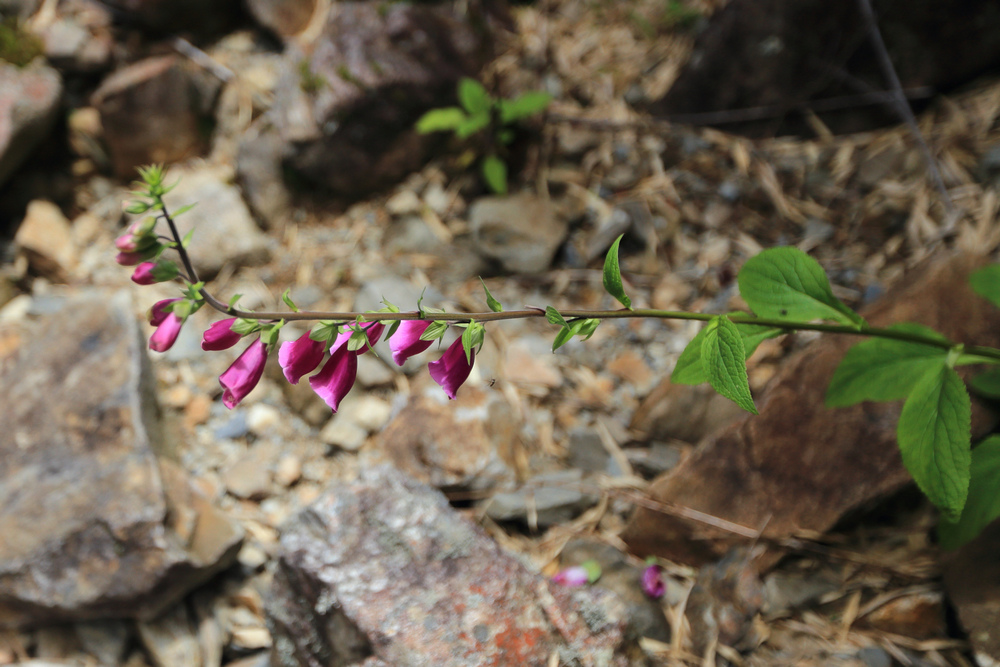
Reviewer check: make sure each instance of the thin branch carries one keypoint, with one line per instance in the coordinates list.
(902, 106)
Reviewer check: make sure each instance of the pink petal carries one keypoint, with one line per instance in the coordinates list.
(572, 576)
(220, 336)
(240, 378)
(452, 369)
(652, 581)
(337, 377)
(300, 357)
(143, 274)
(166, 333)
(406, 341)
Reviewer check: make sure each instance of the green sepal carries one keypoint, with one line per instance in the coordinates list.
(287, 298)
(434, 331)
(494, 305)
(472, 338)
(593, 570)
(554, 317)
(357, 341)
(613, 275)
(589, 327)
(392, 329)
(389, 306)
(269, 333)
(245, 327)
(324, 331)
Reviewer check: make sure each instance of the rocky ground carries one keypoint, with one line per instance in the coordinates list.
(182, 522)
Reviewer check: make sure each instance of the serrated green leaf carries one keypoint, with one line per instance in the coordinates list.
(986, 283)
(881, 369)
(287, 298)
(987, 383)
(495, 174)
(473, 97)
(494, 305)
(434, 331)
(983, 504)
(613, 275)
(787, 283)
(521, 107)
(554, 316)
(689, 368)
(724, 358)
(441, 120)
(934, 438)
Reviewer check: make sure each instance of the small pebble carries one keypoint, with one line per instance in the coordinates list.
(343, 433)
(289, 470)
(262, 417)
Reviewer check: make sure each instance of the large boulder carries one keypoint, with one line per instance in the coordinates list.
(346, 103)
(800, 466)
(92, 525)
(382, 569)
(29, 105)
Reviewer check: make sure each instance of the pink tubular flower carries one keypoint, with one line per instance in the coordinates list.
(406, 341)
(572, 576)
(166, 331)
(653, 583)
(143, 274)
(240, 378)
(158, 312)
(337, 377)
(220, 336)
(300, 357)
(452, 369)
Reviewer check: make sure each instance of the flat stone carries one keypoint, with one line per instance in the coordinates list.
(250, 476)
(344, 433)
(225, 232)
(170, 639)
(522, 231)
(800, 466)
(449, 443)
(549, 499)
(93, 526)
(384, 569)
(29, 104)
(46, 236)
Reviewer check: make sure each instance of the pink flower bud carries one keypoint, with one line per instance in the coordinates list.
(143, 274)
(126, 244)
(158, 312)
(653, 583)
(220, 336)
(149, 273)
(244, 374)
(130, 258)
(406, 341)
(166, 333)
(300, 357)
(572, 576)
(452, 369)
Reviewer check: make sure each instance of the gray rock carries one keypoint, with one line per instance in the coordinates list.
(346, 103)
(586, 451)
(225, 232)
(522, 231)
(170, 639)
(258, 165)
(29, 104)
(552, 497)
(45, 234)
(105, 640)
(154, 110)
(94, 526)
(788, 591)
(383, 570)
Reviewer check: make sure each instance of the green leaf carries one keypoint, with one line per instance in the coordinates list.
(986, 283)
(392, 329)
(554, 316)
(983, 504)
(235, 298)
(473, 97)
(494, 305)
(182, 210)
(526, 105)
(589, 327)
(441, 120)
(495, 174)
(881, 369)
(472, 124)
(324, 331)
(566, 334)
(987, 383)
(787, 283)
(434, 331)
(186, 241)
(390, 307)
(689, 368)
(357, 341)
(472, 338)
(137, 208)
(613, 275)
(934, 436)
(245, 327)
(593, 570)
(724, 357)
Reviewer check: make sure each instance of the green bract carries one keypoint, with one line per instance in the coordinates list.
(613, 275)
